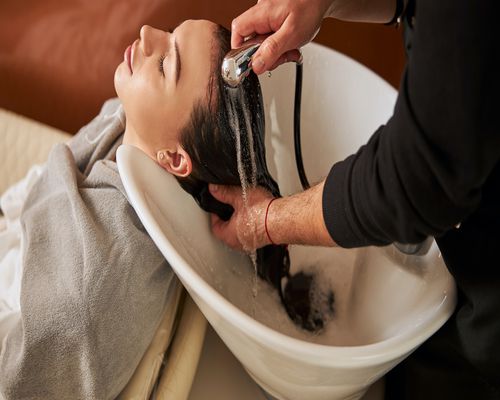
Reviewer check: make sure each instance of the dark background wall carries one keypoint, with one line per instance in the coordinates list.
(57, 57)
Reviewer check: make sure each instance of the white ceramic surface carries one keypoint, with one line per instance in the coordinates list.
(386, 304)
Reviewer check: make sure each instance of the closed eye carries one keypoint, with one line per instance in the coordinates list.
(160, 66)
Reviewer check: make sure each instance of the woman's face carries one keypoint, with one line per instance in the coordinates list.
(163, 74)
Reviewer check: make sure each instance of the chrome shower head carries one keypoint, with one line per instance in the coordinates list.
(237, 63)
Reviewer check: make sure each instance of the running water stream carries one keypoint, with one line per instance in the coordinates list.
(245, 155)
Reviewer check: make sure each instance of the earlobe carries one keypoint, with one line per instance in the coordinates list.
(176, 161)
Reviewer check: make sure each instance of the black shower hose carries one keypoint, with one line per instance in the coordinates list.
(296, 127)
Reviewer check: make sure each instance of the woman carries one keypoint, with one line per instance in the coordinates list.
(94, 286)
(198, 146)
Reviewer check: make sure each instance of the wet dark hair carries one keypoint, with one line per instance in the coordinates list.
(210, 140)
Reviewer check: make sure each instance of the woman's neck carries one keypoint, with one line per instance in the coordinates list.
(131, 137)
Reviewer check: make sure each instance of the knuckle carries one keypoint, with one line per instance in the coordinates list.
(235, 24)
(222, 191)
(229, 193)
(272, 46)
(292, 27)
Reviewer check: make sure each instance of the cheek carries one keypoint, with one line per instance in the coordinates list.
(154, 114)
(131, 87)
(132, 93)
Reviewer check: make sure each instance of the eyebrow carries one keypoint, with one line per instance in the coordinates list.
(177, 63)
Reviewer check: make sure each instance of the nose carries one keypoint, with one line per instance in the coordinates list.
(149, 38)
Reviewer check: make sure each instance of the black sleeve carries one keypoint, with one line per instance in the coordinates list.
(422, 172)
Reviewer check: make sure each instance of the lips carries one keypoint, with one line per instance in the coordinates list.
(128, 57)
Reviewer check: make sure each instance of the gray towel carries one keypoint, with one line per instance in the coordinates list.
(94, 285)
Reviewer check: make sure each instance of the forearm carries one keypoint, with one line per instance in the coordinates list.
(298, 219)
(376, 11)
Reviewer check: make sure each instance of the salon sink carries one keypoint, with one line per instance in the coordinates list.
(386, 303)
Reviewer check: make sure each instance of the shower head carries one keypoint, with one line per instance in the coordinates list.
(238, 62)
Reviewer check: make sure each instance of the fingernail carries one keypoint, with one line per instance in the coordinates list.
(213, 187)
(258, 63)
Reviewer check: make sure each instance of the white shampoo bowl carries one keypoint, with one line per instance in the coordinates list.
(386, 304)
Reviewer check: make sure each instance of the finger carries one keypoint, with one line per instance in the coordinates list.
(243, 26)
(290, 56)
(237, 38)
(217, 225)
(272, 48)
(225, 194)
(259, 19)
(222, 231)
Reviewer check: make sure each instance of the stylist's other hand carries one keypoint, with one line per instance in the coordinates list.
(245, 230)
(290, 23)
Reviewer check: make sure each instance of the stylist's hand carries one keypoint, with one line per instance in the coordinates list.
(291, 23)
(245, 230)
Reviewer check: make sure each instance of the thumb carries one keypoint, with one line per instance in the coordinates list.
(225, 194)
(272, 48)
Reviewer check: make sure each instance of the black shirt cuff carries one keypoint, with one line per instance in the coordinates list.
(339, 219)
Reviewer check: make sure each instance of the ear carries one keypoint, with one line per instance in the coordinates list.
(176, 161)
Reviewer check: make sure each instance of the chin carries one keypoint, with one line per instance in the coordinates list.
(119, 79)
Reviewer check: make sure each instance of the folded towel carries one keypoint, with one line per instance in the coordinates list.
(94, 285)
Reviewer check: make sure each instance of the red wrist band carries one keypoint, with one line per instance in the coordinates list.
(265, 221)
